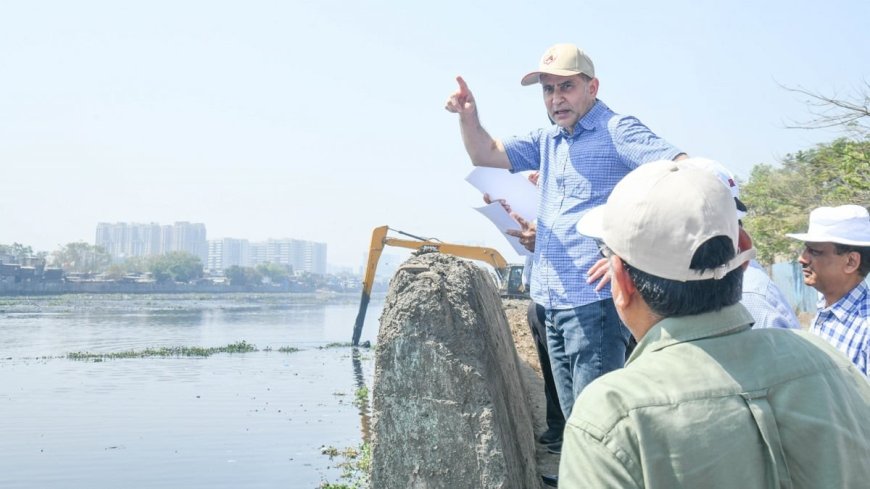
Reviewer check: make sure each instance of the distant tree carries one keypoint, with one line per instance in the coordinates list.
(243, 275)
(21, 253)
(177, 266)
(780, 198)
(274, 272)
(850, 112)
(136, 264)
(81, 257)
(115, 271)
(236, 275)
(312, 281)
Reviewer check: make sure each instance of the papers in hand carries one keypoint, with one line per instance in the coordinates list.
(503, 221)
(516, 190)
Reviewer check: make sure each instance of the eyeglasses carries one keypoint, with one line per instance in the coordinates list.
(606, 253)
(603, 249)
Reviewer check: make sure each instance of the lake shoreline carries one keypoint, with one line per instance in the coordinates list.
(59, 287)
(156, 302)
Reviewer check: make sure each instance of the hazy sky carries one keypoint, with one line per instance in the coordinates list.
(321, 120)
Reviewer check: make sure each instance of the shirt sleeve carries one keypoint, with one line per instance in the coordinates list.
(524, 153)
(636, 144)
(765, 301)
(586, 462)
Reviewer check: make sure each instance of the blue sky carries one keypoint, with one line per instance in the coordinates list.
(321, 120)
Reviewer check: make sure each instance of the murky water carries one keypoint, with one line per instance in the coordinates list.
(243, 420)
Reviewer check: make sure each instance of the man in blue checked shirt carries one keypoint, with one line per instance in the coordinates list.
(836, 261)
(580, 158)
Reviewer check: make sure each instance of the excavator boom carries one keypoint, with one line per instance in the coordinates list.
(380, 239)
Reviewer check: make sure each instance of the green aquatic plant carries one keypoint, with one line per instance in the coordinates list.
(176, 351)
(355, 465)
(288, 349)
(361, 397)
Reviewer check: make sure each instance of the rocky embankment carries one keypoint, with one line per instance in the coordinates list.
(458, 397)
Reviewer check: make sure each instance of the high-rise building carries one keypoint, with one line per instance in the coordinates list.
(304, 256)
(315, 258)
(190, 237)
(227, 252)
(124, 240)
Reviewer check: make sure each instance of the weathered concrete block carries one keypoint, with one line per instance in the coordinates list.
(449, 407)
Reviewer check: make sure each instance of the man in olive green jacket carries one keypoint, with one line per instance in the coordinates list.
(704, 400)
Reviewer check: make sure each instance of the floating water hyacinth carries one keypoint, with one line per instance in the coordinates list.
(176, 351)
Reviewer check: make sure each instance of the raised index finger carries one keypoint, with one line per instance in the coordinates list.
(463, 87)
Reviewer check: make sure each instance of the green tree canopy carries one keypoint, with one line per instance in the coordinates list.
(243, 275)
(22, 253)
(275, 272)
(178, 266)
(780, 198)
(81, 257)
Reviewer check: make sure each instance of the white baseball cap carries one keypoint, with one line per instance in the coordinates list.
(846, 224)
(660, 214)
(724, 175)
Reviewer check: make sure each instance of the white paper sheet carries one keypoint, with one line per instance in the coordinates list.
(503, 221)
(514, 188)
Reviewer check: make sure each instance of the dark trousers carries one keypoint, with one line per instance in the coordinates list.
(555, 418)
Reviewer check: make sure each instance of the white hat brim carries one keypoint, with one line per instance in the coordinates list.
(825, 238)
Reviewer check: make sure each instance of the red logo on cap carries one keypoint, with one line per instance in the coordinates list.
(548, 59)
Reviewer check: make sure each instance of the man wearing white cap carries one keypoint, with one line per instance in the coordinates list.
(580, 158)
(835, 261)
(705, 400)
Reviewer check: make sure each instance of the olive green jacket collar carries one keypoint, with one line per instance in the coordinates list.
(674, 330)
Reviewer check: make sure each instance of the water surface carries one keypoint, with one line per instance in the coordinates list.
(255, 419)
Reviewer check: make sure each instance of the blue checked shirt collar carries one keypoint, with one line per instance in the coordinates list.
(585, 123)
(846, 325)
(848, 305)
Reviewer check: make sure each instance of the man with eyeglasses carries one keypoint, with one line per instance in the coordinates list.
(705, 400)
(580, 158)
(835, 261)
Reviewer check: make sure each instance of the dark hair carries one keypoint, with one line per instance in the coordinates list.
(863, 251)
(672, 298)
(586, 78)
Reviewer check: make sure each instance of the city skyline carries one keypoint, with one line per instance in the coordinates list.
(123, 240)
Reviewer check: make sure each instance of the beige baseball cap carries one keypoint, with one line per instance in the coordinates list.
(562, 60)
(658, 216)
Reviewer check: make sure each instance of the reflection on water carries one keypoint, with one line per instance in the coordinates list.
(230, 420)
(360, 379)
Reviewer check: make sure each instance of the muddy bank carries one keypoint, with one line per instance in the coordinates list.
(515, 311)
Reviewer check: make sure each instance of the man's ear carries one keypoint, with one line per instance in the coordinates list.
(853, 262)
(621, 286)
(593, 87)
(744, 242)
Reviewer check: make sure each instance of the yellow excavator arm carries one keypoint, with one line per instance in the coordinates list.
(380, 240)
